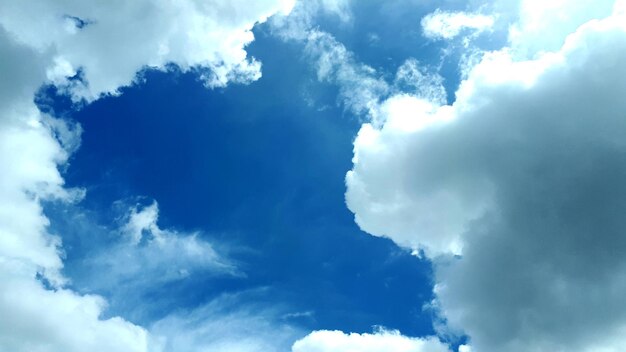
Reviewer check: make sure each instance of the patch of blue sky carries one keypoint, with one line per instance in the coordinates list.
(256, 168)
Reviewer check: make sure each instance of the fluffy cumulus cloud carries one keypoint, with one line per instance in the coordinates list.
(544, 25)
(383, 340)
(109, 42)
(516, 191)
(35, 318)
(88, 49)
(32, 317)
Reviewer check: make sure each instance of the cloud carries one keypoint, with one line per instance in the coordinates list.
(144, 256)
(523, 179)
(35, 318)
(544, 25)
(301, 20)
(120, 38)
(412, 78)
(88, 50)
(383, 189)
(227, 323)
(380, 341)
(447, 25)
(360, 87)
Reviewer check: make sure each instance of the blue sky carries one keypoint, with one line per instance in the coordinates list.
(312, 176)
(256, 169)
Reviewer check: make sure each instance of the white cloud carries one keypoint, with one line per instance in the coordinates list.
(300, 21)
(447, 25)
(37, 319)
(381, 341)
(41, 43)
(414, 79)
(524, 177)
(147, 255)
(360, 87)
(544, 25)
(121, 38)
(394, 194)
(31, 316)
(226, 324)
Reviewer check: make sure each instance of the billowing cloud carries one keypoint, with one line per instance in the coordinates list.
(110, 42)
(523, 178)
(89, 50)
(380, 341)
(544, 25)
(35, 318)
(447, 25)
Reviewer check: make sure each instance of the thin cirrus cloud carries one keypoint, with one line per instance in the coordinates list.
(522, 179)
(227, 323)
(144, 255)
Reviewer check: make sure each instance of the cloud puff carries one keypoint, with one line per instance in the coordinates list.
(87, 49)
(523, 177)
(383, 340)
(447, 25)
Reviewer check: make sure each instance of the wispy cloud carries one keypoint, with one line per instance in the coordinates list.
(227, 323)
(144, 256)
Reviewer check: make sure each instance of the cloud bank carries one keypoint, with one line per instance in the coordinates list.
(522, 178)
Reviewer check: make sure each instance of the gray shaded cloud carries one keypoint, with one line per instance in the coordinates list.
(523, 178)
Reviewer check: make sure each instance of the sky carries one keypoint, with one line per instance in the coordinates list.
(312, 176)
